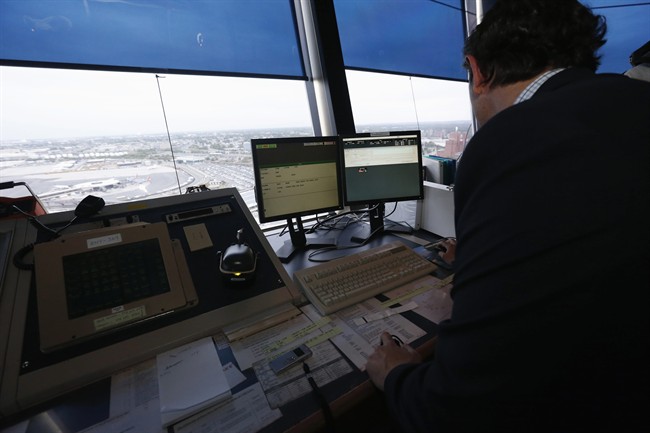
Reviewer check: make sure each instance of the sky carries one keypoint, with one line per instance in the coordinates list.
(55, 103)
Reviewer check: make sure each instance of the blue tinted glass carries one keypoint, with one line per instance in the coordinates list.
(224, 36)
(414, 37)
(628, 27)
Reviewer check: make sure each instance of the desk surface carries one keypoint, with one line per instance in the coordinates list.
(89, 405)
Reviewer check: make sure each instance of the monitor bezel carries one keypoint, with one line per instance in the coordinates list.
(372, 201)
(259, 197)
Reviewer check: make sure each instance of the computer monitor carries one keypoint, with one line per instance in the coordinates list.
(296, 177)
(379, 168)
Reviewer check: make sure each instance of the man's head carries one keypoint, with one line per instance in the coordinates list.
(518, 39)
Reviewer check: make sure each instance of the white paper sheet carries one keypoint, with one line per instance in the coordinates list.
(357, 342)
(190, 378)
(247, 411)
(258, 346)
(434, 304)
(134, 404)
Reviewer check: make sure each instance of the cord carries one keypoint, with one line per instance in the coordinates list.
(35, 222)
(324, 250)
(19, 257)
(336, 219)
(320, 251)
(325, 407)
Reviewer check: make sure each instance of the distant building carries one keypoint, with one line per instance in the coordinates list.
(454, 145)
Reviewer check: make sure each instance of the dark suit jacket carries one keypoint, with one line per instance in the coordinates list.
(549, 329)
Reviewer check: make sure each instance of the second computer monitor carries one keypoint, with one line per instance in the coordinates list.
(381, 168)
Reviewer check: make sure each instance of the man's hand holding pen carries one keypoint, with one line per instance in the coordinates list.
(389, 354)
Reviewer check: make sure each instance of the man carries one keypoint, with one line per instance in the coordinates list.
(549, 329)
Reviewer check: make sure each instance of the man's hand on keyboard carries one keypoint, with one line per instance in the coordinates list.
(387, 356)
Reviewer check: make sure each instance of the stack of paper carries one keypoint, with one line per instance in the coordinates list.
(190, 379)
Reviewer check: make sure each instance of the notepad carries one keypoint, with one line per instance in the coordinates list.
(190, 379)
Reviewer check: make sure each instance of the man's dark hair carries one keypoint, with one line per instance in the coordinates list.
(518, 39)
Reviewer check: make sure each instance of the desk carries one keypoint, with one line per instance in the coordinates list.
(89, 404)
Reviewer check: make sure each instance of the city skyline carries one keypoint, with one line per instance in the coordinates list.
(123, 169)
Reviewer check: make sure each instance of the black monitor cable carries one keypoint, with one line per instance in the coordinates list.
(339, 216)
(322, 401)
(336, 218)
(391, 212)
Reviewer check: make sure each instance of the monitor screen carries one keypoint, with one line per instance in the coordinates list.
(296, 176)
(382, 167)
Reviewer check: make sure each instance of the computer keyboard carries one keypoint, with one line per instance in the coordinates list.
(348, 280)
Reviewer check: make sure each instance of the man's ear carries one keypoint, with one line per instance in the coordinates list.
(476, 77)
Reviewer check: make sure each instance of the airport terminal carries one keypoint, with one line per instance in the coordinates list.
(236, 281)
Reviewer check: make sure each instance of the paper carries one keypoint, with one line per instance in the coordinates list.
(233, 375)
(247, 411)
(260, 346)
(382, 314)
(134, 387)
(434, 303)
(140, 419)
(358, 342)
(190, 378)
(326, 364)
(134, 404)
(197, 237)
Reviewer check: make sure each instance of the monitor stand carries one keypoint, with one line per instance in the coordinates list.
(301, 241)
(377, 226)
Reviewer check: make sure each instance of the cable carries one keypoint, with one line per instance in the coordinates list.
(320, 251)
(391, 212)
(87, 207)
(35, 222)
(324, 250)
(325, 407)
(451, 6)
(19, 258)
(313, 228)
(169, 137)
(415, 108)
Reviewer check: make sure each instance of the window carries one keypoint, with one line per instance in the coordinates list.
(70, 133)
(120, 128)
(439, 108)
(404, 68)
(628, 27)
(153, 104)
